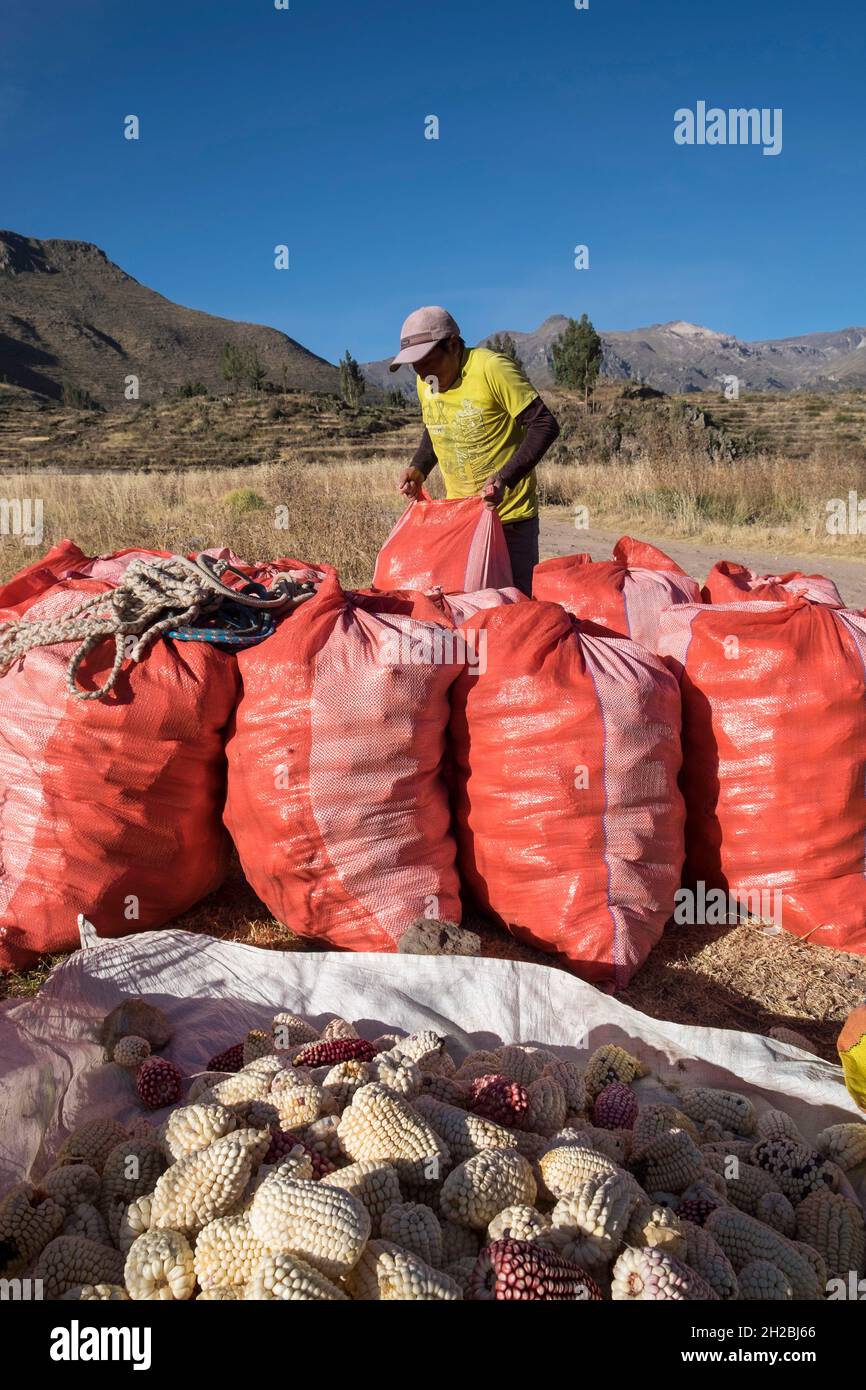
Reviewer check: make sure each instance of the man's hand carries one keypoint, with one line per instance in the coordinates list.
(410, 483)
(493, 492)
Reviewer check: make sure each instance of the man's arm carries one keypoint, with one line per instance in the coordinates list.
(424, 458)
(542, 429)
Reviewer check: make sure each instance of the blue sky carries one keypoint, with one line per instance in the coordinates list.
(306, 127)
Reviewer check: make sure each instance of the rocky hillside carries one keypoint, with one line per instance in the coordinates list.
(683, 357)
(70, 318)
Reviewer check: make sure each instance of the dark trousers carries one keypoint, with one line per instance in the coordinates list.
(522, 538)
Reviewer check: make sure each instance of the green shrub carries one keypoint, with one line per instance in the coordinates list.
(243, 499)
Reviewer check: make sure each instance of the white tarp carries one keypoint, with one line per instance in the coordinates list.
(52, 1076)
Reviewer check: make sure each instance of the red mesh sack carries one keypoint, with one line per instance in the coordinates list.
(625, 594)
(455, 545)
(110, 807)
(569, 821)
(336, 800)
(728, 582)
(774, 760)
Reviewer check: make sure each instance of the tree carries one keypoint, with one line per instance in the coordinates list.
(577, 356)
(504, 343)
(352, 383)
(231, 364)
(254, 373)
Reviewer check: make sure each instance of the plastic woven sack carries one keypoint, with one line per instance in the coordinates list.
(625, 594)
(110, 807)
(728, 582)
(456, 545)
(458, 607)
(774, 760)
(336, 800)
(569, 821)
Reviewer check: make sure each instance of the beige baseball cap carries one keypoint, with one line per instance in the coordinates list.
(421, 330)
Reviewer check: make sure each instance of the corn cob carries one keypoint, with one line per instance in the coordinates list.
(479, 1188)
(29, 1218)
(615, 1107)
(743, 1239)
(477, 1064)
(844, 1144)
(374, 1184)
(570, 1077)
(797, 1168)
(653, 1121)
(775, 1210)
(95, 1293)
(381, 1126)
(207, 1184)
(523, 1064)
(763, 1282)
(525, 1271)
(498, 1098)
(704, 1255)
(289, 1032)
(459, 1242)
(228, 1294)
(160, 1266)
(386, 1274)
(611, 1063)
(650, 1274)
(748, 1185)
(70, 1184)
(461, 1271)
(323, 1224)
(343, 1080)
(134, 1221)
(601, 1207)
(671, 1162)
(287, 1278)
(329, 1053)
(226, 1252)
(776, 1124)
(547, 1107)
(519, 1222)
(398, 1074)
(565, 1167)
(91, 1143)
(68, 1261)
(463, 1133)
(337, 1027)
(728, 1108)
(193, 1127)
(86, 1220)
(834, 1226)
(655, 1227)
(416, 1228)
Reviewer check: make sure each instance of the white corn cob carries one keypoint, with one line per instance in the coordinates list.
(744, 1239)
(672, 1162)
(160, 1266)
(564, 1168)
(288, 1278)
(777, 1124)
(374, 1184)
(68, 1261)
(91, 1143)
(463, 1133)
(324, 1225)
(775, 1210)
(87, 1220)
(193, 1127)
(601, 1207)
(415, 1227)
(844, 1144)
(797, 1168)
(760, 1281)
(548, 1106)
(71, 1184)
(343, 1080)
(95, 1293)
(479, 1188)
(132, 1168)
(459, 1242)
(204, 1185)
(519, 1222)
(381, 1126)
(397, 1073)
(385, 1273)
(226, 1252)
(703, 1254)
(650, 1274)
(28, 1221)
(570, 1077)
(748, 1185)
(834, 1226)
(728, 1108)
(655, 1120)
(523, 1064)
(290, 1032)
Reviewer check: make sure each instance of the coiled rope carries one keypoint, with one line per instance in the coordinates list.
(152, 598)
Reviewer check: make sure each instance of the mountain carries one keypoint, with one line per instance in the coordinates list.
(69, 315)
(679, 356)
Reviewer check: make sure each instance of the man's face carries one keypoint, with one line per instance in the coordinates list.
(442, 363)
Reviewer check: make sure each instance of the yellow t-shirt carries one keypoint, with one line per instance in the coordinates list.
(474, 431)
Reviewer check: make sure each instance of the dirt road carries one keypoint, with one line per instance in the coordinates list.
(559, 537)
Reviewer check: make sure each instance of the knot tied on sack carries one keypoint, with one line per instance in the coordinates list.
(154, 598)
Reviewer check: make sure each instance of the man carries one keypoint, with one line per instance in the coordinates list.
(484, 424)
